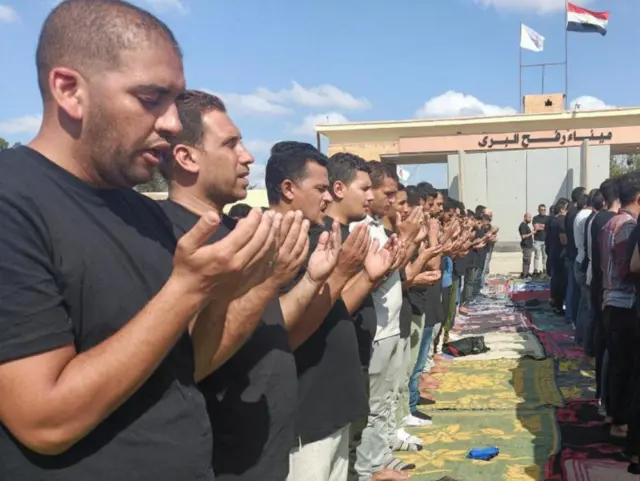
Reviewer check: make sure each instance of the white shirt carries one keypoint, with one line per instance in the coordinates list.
(387, 299)
(578, 232)
(589, 251)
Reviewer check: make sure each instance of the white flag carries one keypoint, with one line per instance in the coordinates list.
(403, 174)
(530, 39)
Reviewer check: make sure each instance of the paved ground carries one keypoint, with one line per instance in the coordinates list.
(506, 263)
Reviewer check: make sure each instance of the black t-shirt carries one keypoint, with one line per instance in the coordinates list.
(331, 390)
(571, 251)
(76, 265)
(461, 264)
(554, 229)
(478, 255)
(255, 391)
(598, 222)
(524, 229)
(433, 304)
(541, 235)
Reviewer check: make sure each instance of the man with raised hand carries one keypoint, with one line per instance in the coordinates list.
(96, 296)
(254, 388)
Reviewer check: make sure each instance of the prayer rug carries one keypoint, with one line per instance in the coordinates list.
(500, 384)
(507, 322)
(506, 345)
(585, 437)
(525, 439)
(559, 344)
(576, 378)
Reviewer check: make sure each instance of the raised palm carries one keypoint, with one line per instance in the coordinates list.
(325, 256)
(378, 261)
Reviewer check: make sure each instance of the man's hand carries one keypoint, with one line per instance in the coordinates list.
(434, 228)
(379, 261)
(427, 278)
(353, 251)
(228, 268)
(294, 248)
(408, 229)
(325, 257)
(398, 251)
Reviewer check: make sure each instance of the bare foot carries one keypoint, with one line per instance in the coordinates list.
(441, 358)
(389, 475)
(439, 369)
(618, 431)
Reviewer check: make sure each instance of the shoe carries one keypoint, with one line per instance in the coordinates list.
(412, 421)
(405, 436)
(423, 401)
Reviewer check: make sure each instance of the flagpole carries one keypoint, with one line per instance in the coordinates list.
(520, 70)
(566, 56)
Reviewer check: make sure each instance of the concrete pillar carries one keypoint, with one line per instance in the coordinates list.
(584, 164)
(461, 175)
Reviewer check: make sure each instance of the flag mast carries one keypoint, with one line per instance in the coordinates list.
(566, 55)
(520, 70)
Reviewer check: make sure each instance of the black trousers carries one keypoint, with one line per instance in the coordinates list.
(599, 337)
(622, 344)
(558, 282)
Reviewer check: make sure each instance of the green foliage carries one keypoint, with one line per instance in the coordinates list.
(621, 164)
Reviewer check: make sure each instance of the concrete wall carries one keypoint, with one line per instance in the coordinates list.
(515, 182)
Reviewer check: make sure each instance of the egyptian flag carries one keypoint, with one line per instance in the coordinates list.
(586, 21)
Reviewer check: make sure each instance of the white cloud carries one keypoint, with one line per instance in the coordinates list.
(27, 124)
(256, 175)
(250, 104)
(165, 5)
(535, 6)
(7, 14)
(588, 102)
(307, 127)
(456, 104)
(258, 147)
(322, 96)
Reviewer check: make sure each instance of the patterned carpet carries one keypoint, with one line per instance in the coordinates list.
(534, 403)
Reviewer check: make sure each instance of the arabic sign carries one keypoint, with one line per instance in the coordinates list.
(525, 140)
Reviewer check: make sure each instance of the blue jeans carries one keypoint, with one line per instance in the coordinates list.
(423, 353)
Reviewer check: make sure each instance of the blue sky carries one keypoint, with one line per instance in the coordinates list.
(284, 65)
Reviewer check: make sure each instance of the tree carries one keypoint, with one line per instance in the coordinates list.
(3, 144)
(156, 184)
(621, 164)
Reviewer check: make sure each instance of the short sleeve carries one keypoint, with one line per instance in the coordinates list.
(33, 319)
(523, 229)
(634, 241)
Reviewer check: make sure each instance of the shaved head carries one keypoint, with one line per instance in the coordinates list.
(90, 35)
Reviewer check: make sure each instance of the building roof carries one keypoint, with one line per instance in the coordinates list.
(465, 125)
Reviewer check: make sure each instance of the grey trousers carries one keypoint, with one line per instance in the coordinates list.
(374, 450)
(539, 255)
(401, 407)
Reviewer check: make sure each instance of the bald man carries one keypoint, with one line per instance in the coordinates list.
(526, 231)
(97, 370)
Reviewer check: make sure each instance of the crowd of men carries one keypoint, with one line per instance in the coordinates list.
(168, 341)
(591, 243)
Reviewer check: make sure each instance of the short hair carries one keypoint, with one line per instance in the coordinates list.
(286, 146)
(381, 171)
(480, 209)
(628, 187)
(427, 190)
(562, 204)
(542, 206)
(401, 187)
(581, 203)
(449, 204)
(598, 201)
(577, 193)
(590, 197)
(609, 190)
(289, 163)
(413, 196)
(89, 35)
(343, 167)
(239, 211)
(191, 105)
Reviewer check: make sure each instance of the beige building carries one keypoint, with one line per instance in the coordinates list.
(511, 163)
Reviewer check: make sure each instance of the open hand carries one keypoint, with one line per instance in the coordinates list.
(293, 249)
(325, 258)
(353, 251)
(230, 267)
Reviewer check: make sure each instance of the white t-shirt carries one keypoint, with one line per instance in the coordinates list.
(387, 299)
(578, 232)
